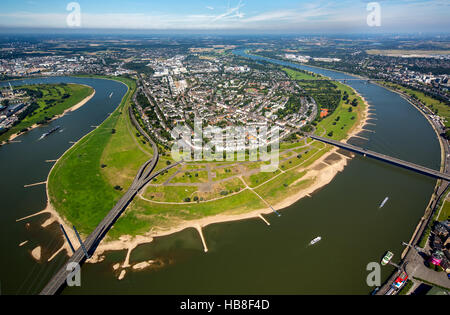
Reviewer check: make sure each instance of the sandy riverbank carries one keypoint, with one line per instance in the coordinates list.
(54, 215)
(71, 109)
(320, 172)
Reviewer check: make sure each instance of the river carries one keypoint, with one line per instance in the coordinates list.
(245, 257)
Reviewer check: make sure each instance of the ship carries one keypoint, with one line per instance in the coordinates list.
(50, 132)
(314, 241)
(110, 95)
(384, 202)
(387, 258)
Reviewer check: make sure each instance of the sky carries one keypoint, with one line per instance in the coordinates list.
(251, 15)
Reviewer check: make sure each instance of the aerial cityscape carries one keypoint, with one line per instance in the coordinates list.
(210, 148)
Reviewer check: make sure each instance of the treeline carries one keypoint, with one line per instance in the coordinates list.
(29, 111)
(139, 67)
(142, 100)
(292, 106)
(325, 93)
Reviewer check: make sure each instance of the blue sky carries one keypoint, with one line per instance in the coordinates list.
(256, 15)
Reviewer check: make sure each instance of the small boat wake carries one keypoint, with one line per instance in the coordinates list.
(314, 241)
(50, 132)
(383, 202)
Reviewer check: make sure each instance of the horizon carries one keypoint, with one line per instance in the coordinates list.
(234, 16)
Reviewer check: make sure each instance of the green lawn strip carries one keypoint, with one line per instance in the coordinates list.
(190, 177)
(78, 188)
(259, 178)
(298, 159)
(406, 288)
(225, 172)
(341, 121)
(277, 189)
(427, 232)
(52, 99)
(290, 145)
(121, 155)
(445, 212)
(223, 189)
(300, 74)
(232, 186)
(189, 167)
(169, 193)
(161, 179)
(142, 215)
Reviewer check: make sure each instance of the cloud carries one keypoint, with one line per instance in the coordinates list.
(230, 13)
(321, 15)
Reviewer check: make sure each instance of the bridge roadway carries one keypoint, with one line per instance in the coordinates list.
(143, 177)
(385, 158)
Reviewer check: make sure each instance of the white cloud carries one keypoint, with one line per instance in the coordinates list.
(231, 13)
(320, 15)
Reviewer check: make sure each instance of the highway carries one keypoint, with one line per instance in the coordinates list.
(143, 177)
(385, 158)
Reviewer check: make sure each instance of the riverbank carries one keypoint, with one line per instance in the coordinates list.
(421, 228)
(407, 98)
(313, 66)
(68, 110)
(54, 215)
(321, 172)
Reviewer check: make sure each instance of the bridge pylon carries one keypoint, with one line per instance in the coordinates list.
(67, 238)
(81, 243)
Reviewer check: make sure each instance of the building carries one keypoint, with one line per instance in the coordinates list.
(15, 108)
(323, 112)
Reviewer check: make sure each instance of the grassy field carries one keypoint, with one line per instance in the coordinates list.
(341, 121)
(435, 105)
(93, 175)
(81, 184)
(445, 212)
(300, 75)
(142, 216)
(338, 124)
(56, 98)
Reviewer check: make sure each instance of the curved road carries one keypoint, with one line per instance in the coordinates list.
(143, 177)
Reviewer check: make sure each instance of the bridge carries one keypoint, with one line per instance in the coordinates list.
(384, 158)
(143, 177)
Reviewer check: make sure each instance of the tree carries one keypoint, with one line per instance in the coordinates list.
(447, 134)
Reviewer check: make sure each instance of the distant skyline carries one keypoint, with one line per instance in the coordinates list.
(231, 15)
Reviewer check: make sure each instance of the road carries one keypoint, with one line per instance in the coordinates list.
(143, 177)
(385, 158)
(411, 260)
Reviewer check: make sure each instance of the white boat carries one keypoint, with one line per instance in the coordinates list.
(314, 241)
(110, 95)
(384, 202)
